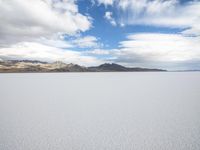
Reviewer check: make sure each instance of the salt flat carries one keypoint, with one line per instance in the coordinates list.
(100, 111)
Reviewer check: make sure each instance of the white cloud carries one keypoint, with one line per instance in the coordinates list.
(23, 20)
(93, 2)
(158, 50)
(146, 6)
(57, 41)
(166, 13)
(99, 52)
(106, 2)
(36, 51)
(86, 42)
(162, 47)
(71, 42)
(108, 16)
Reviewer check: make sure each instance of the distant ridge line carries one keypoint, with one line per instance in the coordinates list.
(14, 66)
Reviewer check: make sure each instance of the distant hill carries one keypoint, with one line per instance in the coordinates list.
(118, 68)
(10, 66)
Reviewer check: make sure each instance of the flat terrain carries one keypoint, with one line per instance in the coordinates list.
(100, 111)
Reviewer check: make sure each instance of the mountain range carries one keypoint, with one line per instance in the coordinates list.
(15, 66)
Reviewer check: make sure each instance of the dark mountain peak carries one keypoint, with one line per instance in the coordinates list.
(109, 67)
(71, 65)
(110, 64)
(112, 67)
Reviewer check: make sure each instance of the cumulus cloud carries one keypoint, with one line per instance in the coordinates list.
(36, 51)
(23, 20)
(108, 16)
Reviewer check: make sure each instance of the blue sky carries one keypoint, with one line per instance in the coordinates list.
(111, 35)
(137, 33)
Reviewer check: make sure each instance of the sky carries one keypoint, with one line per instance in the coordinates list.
(136, 33)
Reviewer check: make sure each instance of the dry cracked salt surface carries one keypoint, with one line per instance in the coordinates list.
(100, 111)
